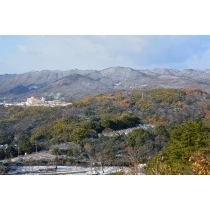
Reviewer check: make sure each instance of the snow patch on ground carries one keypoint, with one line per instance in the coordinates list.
(70, 170)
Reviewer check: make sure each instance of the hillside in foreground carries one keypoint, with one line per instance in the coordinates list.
(168, 129)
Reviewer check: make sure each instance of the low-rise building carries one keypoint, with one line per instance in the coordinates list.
(32, 101)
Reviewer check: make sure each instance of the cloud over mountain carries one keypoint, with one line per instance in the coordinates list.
(28, 53)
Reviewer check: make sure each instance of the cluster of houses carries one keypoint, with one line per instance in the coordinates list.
(32, 101)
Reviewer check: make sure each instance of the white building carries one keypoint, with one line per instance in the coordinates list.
(32, 101)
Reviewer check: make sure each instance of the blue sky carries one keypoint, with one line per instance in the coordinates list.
(20, 54)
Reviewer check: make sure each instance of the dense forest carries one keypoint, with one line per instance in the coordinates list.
(175, 140)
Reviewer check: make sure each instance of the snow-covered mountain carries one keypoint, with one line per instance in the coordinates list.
(76, 83)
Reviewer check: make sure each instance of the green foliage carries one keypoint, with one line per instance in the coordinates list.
(137, 143)
(59, 126)
(124, 121)
(2, 154)
(40, 134)
(117, 173)
(86, 122)
(185, 140)
(143, 104)
(56, 151)
(166, 95)
(26, 147)
(137, 137)
(70, 152)
(11, 152)
(93, 124)
(161, 131)
(79, 134)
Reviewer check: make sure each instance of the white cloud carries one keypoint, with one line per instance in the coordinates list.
(98, 52)
(84, 52)
(26, 49)
(23, 48)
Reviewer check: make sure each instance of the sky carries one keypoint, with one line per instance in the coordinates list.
(19, 54)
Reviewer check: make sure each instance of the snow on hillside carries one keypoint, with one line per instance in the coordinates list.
(68, 170)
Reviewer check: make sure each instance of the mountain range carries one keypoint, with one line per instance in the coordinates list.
(75, 84)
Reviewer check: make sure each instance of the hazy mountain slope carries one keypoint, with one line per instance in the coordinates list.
(79, 83)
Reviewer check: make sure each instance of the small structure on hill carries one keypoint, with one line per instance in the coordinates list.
(32, 101)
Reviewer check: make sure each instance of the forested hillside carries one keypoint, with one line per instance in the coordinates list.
(188, 151)
(175, 139)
